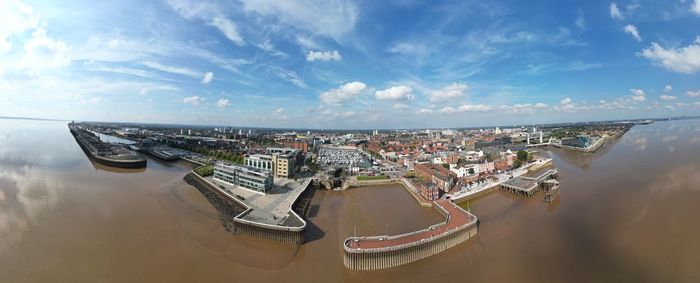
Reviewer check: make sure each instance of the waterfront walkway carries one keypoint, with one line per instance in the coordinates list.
(475, 190)
(456, 217)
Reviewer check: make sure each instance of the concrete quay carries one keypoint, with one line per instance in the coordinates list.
(380, 252)
(105, 153)
(274, 219)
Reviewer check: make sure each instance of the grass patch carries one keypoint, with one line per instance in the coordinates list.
(368, 178)
(204, 171)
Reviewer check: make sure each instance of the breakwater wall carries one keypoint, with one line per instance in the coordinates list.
(381, 252)
(233, 212)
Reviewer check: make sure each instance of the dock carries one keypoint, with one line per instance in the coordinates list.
(273, 216)
(528, 186)
(107, 154)
(380, 252)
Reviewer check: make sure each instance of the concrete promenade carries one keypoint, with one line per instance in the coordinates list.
(379, 252)
(274, 220)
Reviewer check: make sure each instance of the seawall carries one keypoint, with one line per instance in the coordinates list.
(381, 252)
(232, 212)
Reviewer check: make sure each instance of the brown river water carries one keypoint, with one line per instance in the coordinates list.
(627, 213)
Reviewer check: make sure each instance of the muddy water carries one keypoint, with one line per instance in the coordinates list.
(628, 213)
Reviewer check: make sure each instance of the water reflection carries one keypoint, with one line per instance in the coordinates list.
(25, 193)
(677, 179)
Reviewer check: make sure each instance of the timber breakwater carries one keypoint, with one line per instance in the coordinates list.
(380, 252)
(105, 153)
(244, 218)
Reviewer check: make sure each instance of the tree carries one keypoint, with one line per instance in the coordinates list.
(517, 163)
(522, 155)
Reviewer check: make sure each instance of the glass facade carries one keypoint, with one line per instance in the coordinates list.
(245, 177)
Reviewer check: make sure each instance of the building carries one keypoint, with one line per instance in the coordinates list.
(244, 177)
(501, 164)
(260, 161)
(580, 141)
(441, 176)
(284, 165)
(465, 170)
(301, 145)
(281, 165)
(429, 191)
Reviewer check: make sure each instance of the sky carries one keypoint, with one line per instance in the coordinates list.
(349, 64)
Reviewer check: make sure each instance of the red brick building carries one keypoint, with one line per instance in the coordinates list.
(441, 176)
(429, 191)
(501, 164)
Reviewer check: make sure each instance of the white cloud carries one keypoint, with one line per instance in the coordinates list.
(307, 42)
(223, 102)
(541, 105)
(279, 110)
(334, 18)
(288, 75)
(43, 52)
(402, 92)
(15, 18)
(695, 7)
(323, 56)
(448, 93)
(632, 30)
(615, 12)
(693, 93)
(342, 94)
(172, 69)
(425, 111)
(474, 108)
(228, 28)
(580, 21)
(208, 77)
(400, 106)
(568, 105)
(668, 88)
(269, 48)
(681, 60)
(638, 95)
(193, 100)
(667, 97)
(211, 15)
(448, 110)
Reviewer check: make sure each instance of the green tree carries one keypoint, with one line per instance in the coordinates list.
(522, 155)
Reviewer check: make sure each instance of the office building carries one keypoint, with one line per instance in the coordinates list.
(244, 177)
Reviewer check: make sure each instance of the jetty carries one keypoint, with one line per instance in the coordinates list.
(528, 186)
(380, 252)
(275, 216)
(108, 154)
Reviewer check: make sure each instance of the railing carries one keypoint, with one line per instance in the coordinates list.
(448, 232)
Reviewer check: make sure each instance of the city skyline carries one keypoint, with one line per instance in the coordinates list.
(349, 64)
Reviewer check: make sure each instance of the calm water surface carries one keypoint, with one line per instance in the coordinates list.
(628, 213)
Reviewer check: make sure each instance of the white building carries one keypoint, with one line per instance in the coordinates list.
(463, 171)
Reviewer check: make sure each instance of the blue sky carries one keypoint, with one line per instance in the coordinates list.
(349, 64)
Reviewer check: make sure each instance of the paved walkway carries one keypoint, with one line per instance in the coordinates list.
(457, 218)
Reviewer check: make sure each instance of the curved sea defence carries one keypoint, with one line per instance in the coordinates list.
(380, 252)
(235, 214)
(106, 153)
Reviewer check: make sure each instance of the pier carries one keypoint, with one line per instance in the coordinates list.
(380, 252)
(528, 186)
(105, 153)
(282, 223)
